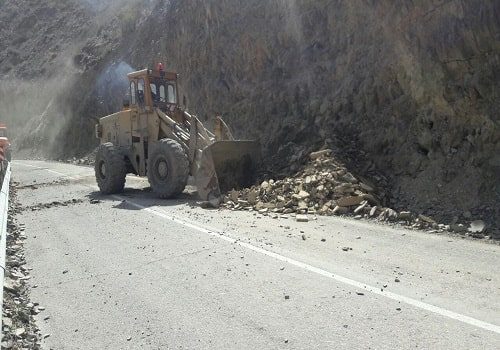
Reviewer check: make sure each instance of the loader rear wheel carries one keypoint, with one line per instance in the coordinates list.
(168, 169)
(110, 169)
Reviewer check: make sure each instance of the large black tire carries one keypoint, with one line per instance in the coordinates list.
(168, 168)
(110, 169)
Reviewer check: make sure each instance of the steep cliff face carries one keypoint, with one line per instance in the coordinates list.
(415, 85)
(410, 89)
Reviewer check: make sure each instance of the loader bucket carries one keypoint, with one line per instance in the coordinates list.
(225, 165)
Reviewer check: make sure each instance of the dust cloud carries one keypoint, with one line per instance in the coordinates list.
(39, 108)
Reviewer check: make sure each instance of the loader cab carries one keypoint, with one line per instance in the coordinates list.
(150, 88)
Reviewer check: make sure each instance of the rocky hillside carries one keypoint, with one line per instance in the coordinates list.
(408, 90)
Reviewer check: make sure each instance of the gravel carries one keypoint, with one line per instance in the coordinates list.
(19, 329)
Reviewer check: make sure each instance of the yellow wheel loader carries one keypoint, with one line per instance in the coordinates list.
(153, 136)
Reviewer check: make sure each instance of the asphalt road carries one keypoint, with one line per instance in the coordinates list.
(134, 272)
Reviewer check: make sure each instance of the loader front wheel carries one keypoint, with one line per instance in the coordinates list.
(110, 169)
(168, 169)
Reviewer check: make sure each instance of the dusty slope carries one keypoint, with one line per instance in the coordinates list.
(414, 88)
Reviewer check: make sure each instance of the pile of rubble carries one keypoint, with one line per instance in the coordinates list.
(326, 187)
(18, 327)
(323, 187)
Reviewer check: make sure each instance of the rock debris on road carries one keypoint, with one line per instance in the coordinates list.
(152, 274)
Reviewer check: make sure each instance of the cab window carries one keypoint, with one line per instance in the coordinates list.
(171, 94)
(140, 91)
(154, 94)
(132, 93)
(162, 93)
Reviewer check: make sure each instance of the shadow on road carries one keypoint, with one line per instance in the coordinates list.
(146, 198)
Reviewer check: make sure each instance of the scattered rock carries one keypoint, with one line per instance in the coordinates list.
(458, 228)
(366, 187)
(405, 216)
(324, 186)
(340, 210)
(7, 322)
(477, 226)
(7, 344)
(302, 218)
(361, 207)
(426, 219)
(319, 154)
(19, 329)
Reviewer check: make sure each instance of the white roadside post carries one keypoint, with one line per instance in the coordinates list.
(4, 209)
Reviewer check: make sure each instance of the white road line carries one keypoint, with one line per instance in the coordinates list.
(375, 290)
(48, 170)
